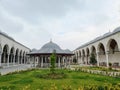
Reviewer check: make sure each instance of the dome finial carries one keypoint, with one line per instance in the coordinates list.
(51, 40)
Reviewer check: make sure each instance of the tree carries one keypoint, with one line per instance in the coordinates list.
(52, 63)
(93, 60)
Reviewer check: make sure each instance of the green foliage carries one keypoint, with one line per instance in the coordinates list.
(23, 81)
(73, 81)
(7, 88)
(6, 78)
(93, 60)
(110, 66)
(52, 63)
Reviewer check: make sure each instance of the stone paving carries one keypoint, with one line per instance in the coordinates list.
(14, 68)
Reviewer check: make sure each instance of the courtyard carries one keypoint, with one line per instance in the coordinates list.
(59, 44)
(74, 80)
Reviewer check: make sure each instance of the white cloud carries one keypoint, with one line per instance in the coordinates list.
(67, 22)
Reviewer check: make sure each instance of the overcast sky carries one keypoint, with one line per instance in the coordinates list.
(70, 23)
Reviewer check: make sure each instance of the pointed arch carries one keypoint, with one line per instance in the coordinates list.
(112, 46)
(93, 50)
(17, 55)
(5, 54)
(20, 57)
(11, 57)
(87, 51)
(80, 53)
(101, 49)
(83, 56)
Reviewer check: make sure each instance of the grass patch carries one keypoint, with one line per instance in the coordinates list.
(6, 78)
(23, 81)
(43, 80)
(51, 76)
(7, 87)
(59, 74)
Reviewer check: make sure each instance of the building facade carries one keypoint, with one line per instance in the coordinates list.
(41, 58)
(106, 49)
(11, 51)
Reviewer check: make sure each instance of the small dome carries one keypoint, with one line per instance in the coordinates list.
(34, 49)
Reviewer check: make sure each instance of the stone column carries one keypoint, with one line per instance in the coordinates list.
(8, 60)
(24, 59)
(34, 61)
(31, 61)
(81, 58)
(65, 61)
(27, 60)
(107, 58)
(85, 59)
(97, 58)
(69, 61)
(41, 61)
(58, 61)
(18, 57)
(13, 59)
(21, 60)
(45, 62)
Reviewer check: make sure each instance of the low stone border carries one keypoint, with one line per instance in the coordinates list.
(105, 73)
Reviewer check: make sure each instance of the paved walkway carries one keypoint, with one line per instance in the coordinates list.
(6, 70)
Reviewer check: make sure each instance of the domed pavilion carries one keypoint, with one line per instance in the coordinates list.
(41, 58)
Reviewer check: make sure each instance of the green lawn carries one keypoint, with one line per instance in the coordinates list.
(29, 81)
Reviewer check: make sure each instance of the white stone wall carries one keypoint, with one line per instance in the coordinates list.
(113, 58)
(4, 40)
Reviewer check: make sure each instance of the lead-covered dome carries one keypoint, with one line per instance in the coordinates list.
(50, 45)
(49, 48)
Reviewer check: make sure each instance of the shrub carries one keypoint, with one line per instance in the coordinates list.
(93, 61)
(110, 66)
